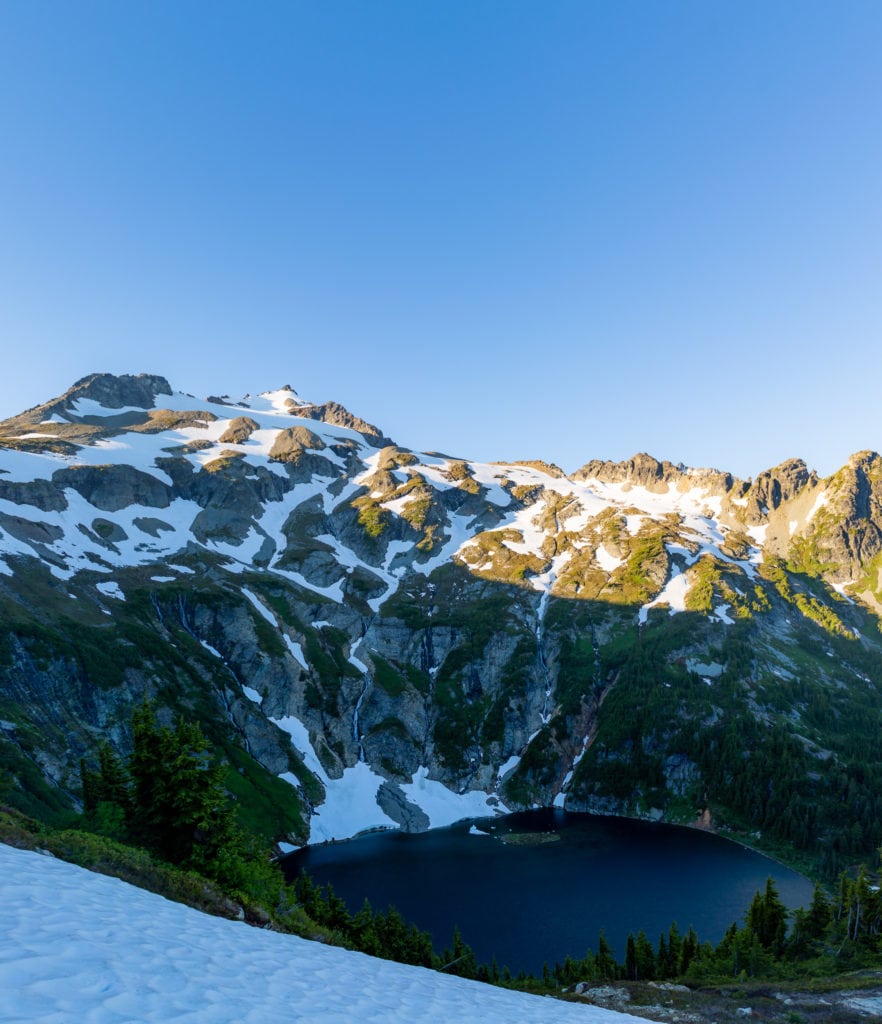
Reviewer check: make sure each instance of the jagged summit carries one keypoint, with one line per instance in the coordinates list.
(105, 390)
(139, 436)
(100, 405)
(657, 476)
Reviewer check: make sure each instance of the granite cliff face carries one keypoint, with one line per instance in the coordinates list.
(375, 636)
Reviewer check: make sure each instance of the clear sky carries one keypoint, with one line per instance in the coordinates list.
(566, 230)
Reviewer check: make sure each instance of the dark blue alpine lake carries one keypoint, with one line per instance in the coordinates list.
(542, 898)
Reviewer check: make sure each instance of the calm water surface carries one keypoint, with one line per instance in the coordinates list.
(529, 904)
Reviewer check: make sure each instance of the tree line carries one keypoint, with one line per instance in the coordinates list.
(168, 797)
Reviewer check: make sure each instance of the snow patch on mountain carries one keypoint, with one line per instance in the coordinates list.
(608, 562)
(334, 592)
(278, 401)
(21, 467)
(672, 594)
(508, 766)
(243, 551)
(459, 529)
(261, 608)
(351, 805)
(722, 613)
(296, 649)
(489, 477)
(89, 407)
(78, 548)
(443, 806)
(758, 534)
(822, 499)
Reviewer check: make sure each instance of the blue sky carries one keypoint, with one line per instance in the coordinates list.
(502, 229)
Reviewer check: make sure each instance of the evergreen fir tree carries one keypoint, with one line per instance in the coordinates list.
(631, 958)
(605, 962)
(675, 945)
(646, 965)
(688, 950)
(767, 917)
(819, 913)
(662, 959)
(114, 786)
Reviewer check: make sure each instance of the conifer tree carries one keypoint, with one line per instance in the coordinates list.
(767, 917)
(631, 958)
(688, 950)
(462, 960)
(91, 782)
(819, 913)
(662, 958)
(605, 962)
(675, 945)
(115, 784)
(646, 965)
(365, 933)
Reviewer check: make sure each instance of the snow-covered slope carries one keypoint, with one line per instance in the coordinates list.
(80, 948)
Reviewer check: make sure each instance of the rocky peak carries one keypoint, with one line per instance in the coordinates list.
(112, 392)
(773, 487)
(715, 481)
(116, 392)
(857, 488)
(642, 469)
(867, 461)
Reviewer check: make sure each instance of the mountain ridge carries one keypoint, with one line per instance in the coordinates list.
(404, 634)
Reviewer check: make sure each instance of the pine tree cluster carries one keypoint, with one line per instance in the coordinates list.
(169, 798)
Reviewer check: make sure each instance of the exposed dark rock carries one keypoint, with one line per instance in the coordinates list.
(338, 415)
(42, 494)
(239, 430)
(114, 487)
(115, 392)
(28, 530)
(392, 800)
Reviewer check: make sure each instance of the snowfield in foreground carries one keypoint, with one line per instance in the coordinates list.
(81, 948)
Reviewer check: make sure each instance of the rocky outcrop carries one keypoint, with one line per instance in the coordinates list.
(846, 531)
(409, 817)
(41, 494)
(28, 531)
(239, 430)
(111, 488)
(660, 477)
(291, 442)
(339, 416)
(114, 392)
(642, 469)
(776, 487)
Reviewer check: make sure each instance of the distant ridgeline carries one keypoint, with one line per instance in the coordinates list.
(370, 636)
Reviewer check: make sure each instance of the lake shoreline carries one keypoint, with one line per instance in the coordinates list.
(548, 893)
(703, 823)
